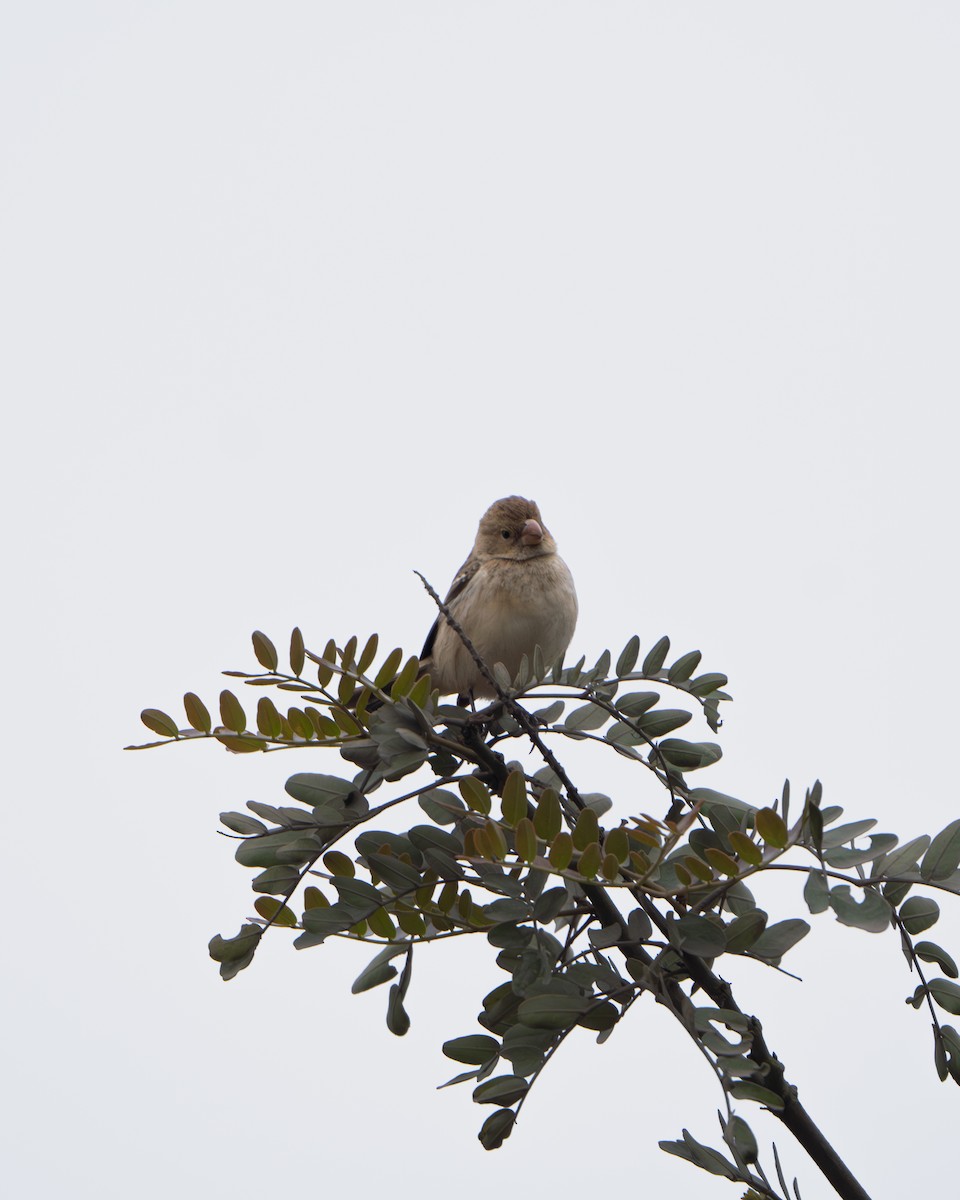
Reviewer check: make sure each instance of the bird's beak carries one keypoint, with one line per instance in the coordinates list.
(532, 534)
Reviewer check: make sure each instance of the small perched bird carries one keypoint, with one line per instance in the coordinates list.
(513, 593)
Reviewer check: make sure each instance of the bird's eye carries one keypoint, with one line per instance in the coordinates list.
(506, 534)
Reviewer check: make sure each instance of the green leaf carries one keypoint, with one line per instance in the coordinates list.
(587, 830)
(662, 720)
(314, 789)
(703, 685)
(635, 704)
(514, 798)
(338, 863)
(231, 712)
(389, 669)
(778, 938)
(241, 823)
(234, 954)
(689, 756)
(872, 913)
(739, 1134)
(931, 952)
(441, 806)
(698, 935)
(816, 891)
(844, 857)
(771, 828)
(197, 713)
(743, 1089)
(552, 712)
(586, 717)
(548, 818)
(702, 1156)
(379, 970)
(476, 794)
(919, 913)
(842, 834)
(158, 722)
(943, 857)
(628, 657)
(497, 1128)
(274, 911)
(904, 858)
(946, 994)
(525, 840)
(265, 651)
(474, 1050)
(398, 1022)
(296, 651)
(742, 932)
(505, 1089)
(269, 721)
(684, 667)
(276, 881)
(656, 656)
(552, 1011)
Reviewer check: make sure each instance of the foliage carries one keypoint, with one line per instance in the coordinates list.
(588, 911)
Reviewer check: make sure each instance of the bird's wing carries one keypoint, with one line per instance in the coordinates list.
(461, 579)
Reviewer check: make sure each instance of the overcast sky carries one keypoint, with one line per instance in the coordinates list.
(291, 293)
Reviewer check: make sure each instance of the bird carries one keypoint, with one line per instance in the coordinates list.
(513, 593)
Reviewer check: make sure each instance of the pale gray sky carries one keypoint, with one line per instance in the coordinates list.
(289, 294)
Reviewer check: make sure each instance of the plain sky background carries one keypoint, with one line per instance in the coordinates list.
(290, 294)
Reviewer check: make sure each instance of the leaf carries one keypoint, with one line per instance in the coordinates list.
(197, 713)
(872, 913)
(269, 721)
(628, 657)
(389, 669)
(698, 935)
(546, 716)
(158, 722)
(742, 932)
(904, 858)
(497, 1128)
(586, 830)
(265, 651)
(274, 911)
(743, 1089)
(525, 840)
(514, 798)
(684, 667)
(338, 863)
(379, 970)
(703, 685)
(505, 1089)
(296, 651)
(313, 789)
(476, 794)
(656, 656)
(586, 717)
(946, 994)
(943, 856)
(771, 827)
(778, 938)
(919, 913)
(816, 891)
(474, 1050)
(931, 952)
(231, 712)
(548, 818)
(702, 1156)
(689, 756)
(441, 806)
(663, 720)
(398, 1022)
(842, 834)
(241, 823)
(552, 1011)
(635, 704)
(234, 954)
